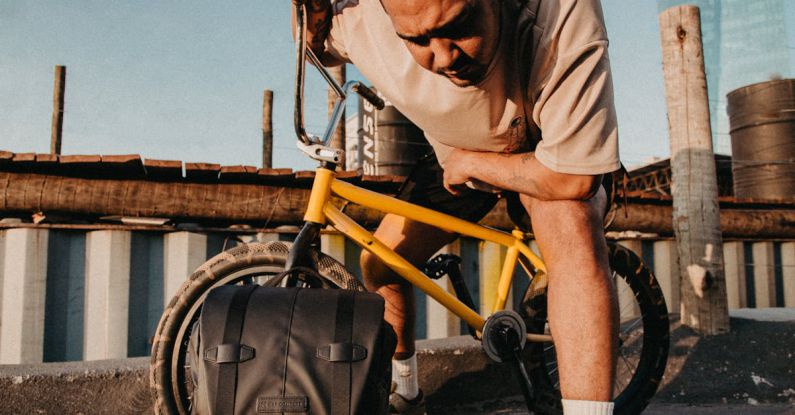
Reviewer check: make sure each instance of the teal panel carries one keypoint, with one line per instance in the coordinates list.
(65, 296)
(146, 291)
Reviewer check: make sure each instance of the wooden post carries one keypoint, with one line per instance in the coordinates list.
(734, 270)
(338, 138)
(666, 269)
(107, 295)
(627, 306)
(440, 322)
(267, 129)
(57, 109)
(764, 274)
(696, 219)
(788, 273)
(23, 291)
(490, 258)
(333, 245)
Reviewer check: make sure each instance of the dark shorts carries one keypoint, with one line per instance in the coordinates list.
(424, 186)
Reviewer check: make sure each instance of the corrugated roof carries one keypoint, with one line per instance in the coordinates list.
(647, 183)
(134, 167)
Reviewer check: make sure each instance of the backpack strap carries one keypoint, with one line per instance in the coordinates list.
(341, 371)
(227, 370)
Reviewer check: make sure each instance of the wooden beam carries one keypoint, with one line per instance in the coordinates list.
(283, 203)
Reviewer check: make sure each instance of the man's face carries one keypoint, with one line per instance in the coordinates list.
(453, 38)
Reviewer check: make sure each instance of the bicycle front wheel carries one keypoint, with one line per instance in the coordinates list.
(255, 263)
(643, 339)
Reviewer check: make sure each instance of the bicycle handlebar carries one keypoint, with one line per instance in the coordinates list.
(369, 95)
(300, 63)
(302, 52)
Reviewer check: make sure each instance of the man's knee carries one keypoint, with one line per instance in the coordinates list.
(375, 273)
(594, 208)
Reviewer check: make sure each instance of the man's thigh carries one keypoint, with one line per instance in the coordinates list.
(413, 240)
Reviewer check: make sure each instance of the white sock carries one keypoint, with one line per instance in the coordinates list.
(404, 374)
(572, 407)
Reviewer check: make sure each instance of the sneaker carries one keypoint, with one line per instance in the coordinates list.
(400, 405)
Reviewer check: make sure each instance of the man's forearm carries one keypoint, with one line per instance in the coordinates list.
(318, 27)
(523, 173)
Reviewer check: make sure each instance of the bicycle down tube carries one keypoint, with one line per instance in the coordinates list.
(321, 211)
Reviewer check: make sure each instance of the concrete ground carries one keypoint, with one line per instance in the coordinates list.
(758, 380)
(515, 406)
(750, 370)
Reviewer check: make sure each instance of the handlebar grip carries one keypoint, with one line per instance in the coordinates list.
(369, 95)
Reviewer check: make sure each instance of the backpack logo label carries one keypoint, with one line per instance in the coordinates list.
(277, 405)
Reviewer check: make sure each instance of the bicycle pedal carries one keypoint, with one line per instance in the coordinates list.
(439, 266)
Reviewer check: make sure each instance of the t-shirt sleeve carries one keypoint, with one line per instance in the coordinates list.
(335, 42)
(572, 89)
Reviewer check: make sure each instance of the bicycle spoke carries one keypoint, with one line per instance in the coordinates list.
(632, 326)
(621, 385)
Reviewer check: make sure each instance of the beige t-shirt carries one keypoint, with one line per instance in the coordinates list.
(567, 95)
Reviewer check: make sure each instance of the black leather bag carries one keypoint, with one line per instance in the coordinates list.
(291, 351)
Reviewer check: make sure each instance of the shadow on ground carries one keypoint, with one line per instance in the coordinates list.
(750, 370)
(753, 363)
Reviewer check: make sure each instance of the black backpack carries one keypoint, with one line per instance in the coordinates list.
(266, 350)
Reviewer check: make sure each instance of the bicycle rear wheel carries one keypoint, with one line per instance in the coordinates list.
(643, 339)
(169, 372)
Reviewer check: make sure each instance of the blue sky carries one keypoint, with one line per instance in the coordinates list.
(183, 80)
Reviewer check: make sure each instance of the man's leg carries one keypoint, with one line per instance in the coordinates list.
(582, 307)
(416, 242)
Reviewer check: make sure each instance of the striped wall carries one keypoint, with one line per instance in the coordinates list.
(70, 295)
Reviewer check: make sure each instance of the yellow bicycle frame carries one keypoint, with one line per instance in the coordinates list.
(320, 210)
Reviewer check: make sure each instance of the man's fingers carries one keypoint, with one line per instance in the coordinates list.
(451, 188)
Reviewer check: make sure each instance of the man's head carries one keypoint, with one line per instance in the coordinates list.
(454, 38)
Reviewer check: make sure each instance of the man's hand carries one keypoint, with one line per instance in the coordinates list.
(457, 170)
(520, 173)
(318, 24)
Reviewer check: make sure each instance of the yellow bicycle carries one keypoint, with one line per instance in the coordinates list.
(520, 338)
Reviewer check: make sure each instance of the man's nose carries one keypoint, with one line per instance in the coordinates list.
(444, 53)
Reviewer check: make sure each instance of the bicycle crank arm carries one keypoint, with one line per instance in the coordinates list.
(539, 338)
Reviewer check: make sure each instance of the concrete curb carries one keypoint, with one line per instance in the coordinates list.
(455, 371)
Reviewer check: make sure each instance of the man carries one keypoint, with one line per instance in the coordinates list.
(514, 96)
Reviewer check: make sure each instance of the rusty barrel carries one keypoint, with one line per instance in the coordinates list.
(762, 128)
(399, 143)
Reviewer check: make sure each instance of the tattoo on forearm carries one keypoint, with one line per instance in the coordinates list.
(521, 178)
(320, 18)
(319, 5)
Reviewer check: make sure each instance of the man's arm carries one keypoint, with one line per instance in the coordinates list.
(318, 26)
(521, 173)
